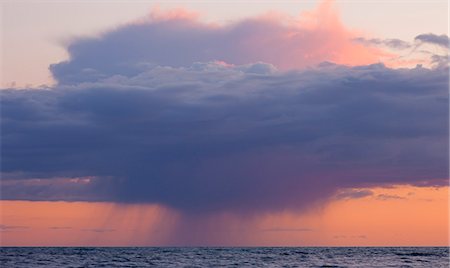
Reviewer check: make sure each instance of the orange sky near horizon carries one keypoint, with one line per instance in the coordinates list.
(396, 216)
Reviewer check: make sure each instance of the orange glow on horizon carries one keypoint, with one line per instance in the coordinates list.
(401, 215)
(26, 223)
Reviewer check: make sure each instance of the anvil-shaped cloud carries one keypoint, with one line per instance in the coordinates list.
(145, 114)
(178, 39)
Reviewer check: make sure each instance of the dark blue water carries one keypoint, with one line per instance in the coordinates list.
(224, 257)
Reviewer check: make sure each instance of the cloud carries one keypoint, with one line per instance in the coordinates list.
(411, 54)
(220, 137)
(50, 189)
(179, 38)
(99, 230)
(287, 230)
(439, 40)
(9, 228)
(389, 197)
(350, 236)
(59, 228)
(441, 61)
(393, 43)
(239, 117)
(354, 194)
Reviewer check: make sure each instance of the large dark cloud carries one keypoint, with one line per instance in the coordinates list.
(210, 137)
(146, 114)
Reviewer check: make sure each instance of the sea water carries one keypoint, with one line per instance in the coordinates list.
(18, 257)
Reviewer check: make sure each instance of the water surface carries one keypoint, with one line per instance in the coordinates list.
(18, 257)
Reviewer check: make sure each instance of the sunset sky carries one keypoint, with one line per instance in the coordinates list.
(254, 123)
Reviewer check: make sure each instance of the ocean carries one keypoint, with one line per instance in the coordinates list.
(49, 257)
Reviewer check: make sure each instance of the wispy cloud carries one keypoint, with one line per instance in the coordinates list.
(434, 39)
(354, 194)
(288, 230)
(391, 43)
(60, 228)
(389, 197)
(9, 228)
(99, 230)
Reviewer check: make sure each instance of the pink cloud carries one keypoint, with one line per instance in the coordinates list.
(178, 38)
(287, 42)
(313, 37)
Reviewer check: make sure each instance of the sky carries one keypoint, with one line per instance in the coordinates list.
(288, 123)
(30, 26)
